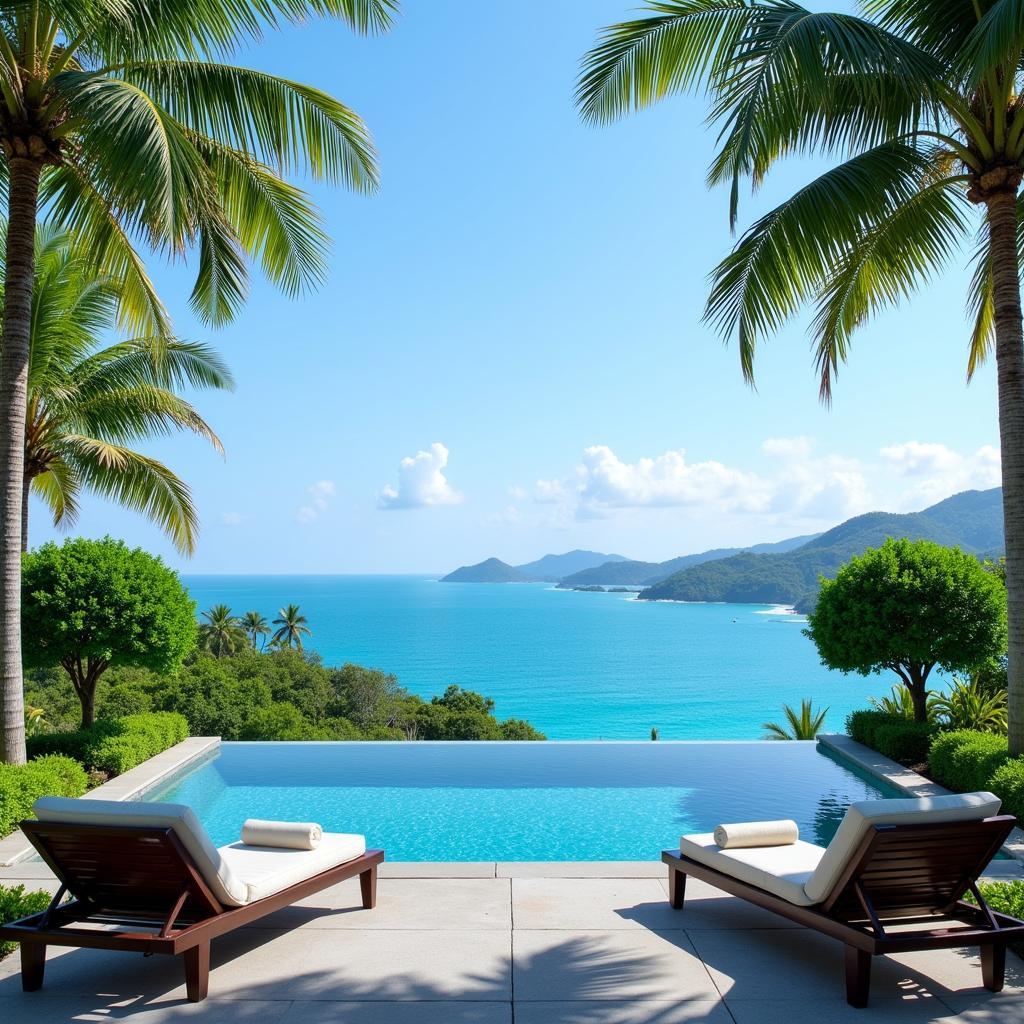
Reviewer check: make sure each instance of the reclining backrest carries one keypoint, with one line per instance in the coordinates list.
(861, 818)
(99, 860)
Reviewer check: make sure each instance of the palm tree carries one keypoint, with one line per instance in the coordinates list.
(291, 628)
(923, 99)
(804, 726)
(221, 634)
(255, 625)
(118, 118)
(88, 403)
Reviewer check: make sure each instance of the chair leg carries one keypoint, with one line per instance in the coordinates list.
(676, 888)
(993, 966)
(368, 885)
(33, 964)
(197, 972)
(858, 976)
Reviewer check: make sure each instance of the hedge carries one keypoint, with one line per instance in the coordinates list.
(904, 740)
(1007, 782)
(966, 760)
(22, 784)
(116, 745)
(16, 902)
(862, 725)
(1005, 898)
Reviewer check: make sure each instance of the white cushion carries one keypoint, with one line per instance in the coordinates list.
(781, 870)
(264, 870)
(177, 817)
(930, 810)
(236, 874)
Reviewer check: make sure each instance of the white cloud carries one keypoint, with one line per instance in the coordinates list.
(549, 492)
(319, 495)
(421, 482)
(606, 482)
(230, 518)
(787, 447)
(508, 516)
(517, 492)
(934, 471)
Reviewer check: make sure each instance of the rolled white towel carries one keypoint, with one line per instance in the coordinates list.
(756, 833)
(287, 835)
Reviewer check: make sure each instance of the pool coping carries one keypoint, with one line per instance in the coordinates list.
(16, 847)
(902, 778)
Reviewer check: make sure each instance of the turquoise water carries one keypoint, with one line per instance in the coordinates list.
(521, 801)
(578, 666)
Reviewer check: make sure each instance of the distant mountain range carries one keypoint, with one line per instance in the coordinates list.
(784, 572)
(972, 520)
(549, 569)
(644, 574)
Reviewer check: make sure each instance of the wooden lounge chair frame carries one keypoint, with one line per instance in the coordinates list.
(910, 875)
(143, 887)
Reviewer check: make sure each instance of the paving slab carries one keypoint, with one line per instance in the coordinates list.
(566, 966)
(404, 903)
(592, 904)
(706, 907)
(398, 1013)
(437, 869)
(926, 1010)
(580, 869)
(59, 1008)
(609, 1011)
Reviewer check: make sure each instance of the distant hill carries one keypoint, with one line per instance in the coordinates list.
(972, 520)
(493, 570)
(552, 568)
(644, 574)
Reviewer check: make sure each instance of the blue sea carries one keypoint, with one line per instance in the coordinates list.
(575, 665)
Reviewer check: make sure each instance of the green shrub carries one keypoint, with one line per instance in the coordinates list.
(1007, 782)
(117, 745)
(965, 760)
(1005, 898)
(22, 784)
(905, 741)
(862, 725)
(16, 902)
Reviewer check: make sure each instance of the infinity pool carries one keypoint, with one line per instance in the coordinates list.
(521, 801)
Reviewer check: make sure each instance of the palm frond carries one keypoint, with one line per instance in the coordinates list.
(59, 490)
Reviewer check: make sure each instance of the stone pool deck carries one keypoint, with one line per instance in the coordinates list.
(510, 944)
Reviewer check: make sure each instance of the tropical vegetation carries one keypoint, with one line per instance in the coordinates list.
(221, 634)
(920, 101)
(90, 402)
(256, 628)
(89, 605)
(909, 607)
(292, 626)
(22, 784)
(122, 121)
(16, 902)
(802, 725)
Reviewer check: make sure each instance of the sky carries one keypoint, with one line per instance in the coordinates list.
(508, 356)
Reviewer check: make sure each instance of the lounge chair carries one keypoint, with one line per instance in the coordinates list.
(892, 880)
(144, 877)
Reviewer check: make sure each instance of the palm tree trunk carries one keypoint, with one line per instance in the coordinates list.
(1002, 228)
(26, 484)
(22, 203)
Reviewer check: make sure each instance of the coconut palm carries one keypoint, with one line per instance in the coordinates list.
(291, 628)
(88, 403)
(255, 626)
(221, 634)
(803, 726)
(125, 122)
(921, 100)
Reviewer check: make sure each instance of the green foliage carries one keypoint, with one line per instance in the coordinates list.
(17, 902)
(280, 695)
(1007, 782)
(88, 605)
(22, 784)
(907, 607)
(966, 760)
(900, 704)
(116, 745)
(803, 726)
(863, 724)
(292, 626)
(221, 634)
(968, 705)
(904, 740)
(1006, 898)
(90, 403)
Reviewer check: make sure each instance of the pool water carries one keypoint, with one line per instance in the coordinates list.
(521, 801)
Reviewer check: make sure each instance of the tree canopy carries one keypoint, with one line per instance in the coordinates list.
(908, 607)
(88, 605)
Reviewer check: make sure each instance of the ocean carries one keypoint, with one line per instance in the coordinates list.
(575, 665)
